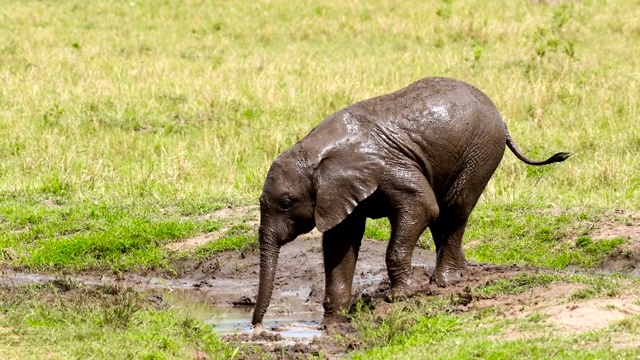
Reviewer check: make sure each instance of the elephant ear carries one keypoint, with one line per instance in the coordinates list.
(346, 175)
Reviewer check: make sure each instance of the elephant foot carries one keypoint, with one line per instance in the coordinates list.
(257, 330)
(333, 319)
(397, 293)
(335, 311)
(447, 277)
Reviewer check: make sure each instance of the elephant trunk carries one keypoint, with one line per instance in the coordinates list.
(269, 251)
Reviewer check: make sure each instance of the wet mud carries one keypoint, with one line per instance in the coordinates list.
(231, 279)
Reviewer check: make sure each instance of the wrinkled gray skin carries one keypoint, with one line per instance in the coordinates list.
(420, 156)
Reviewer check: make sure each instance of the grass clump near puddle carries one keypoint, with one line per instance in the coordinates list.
(62, 319)
(517, 284)
(593, 285)
(240, 243)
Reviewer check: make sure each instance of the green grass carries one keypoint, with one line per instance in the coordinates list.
(240, 237)
(602, 285)
(517, 284)
(606, 286)
(630, 324)
(89, 235)
(522, 235)
(189, 100)
(62, 320)
(450, 336)
(186, 104)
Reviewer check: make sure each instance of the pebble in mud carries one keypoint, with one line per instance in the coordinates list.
(267, 336)
(155, 299)
(263, 336)
(244, 301)
(296, 349)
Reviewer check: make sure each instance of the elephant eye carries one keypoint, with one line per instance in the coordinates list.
(285, 204)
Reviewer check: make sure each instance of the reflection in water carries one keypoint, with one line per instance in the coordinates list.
(292, 318)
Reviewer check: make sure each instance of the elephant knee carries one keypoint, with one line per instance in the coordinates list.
(430, 207)
(431, 213)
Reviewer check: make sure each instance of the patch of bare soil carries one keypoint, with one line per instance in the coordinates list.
(233, 278)
(595, 314)
(626, 225)
(553, 306)
(231, 212)
(247, 213)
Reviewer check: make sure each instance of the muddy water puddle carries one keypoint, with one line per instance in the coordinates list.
(226, 311)
(291, 318)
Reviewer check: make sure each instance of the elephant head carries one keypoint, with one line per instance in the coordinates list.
(316, 183)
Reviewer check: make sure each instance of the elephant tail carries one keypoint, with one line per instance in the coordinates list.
(561, 156)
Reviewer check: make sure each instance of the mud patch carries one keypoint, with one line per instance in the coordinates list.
(299, 324)
(232, 279)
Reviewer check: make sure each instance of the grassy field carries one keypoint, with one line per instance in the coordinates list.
(123, 123)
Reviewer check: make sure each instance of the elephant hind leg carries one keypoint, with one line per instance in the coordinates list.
(455, 209)
(447, 234)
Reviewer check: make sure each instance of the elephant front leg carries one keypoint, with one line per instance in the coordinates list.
(340, 246)
(406, 227)
(398, 259)
(450, 261)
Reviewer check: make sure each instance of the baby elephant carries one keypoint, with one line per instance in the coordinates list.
(420, 156)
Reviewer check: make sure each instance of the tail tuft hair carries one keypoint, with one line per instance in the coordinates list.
(559, 157)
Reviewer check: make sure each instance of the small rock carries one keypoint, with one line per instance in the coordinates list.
(300, 348)
(156, 299)
(9, 254)
(244, 301)
(267, 336)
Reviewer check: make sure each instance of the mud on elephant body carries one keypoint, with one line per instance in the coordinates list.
(420, 156)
